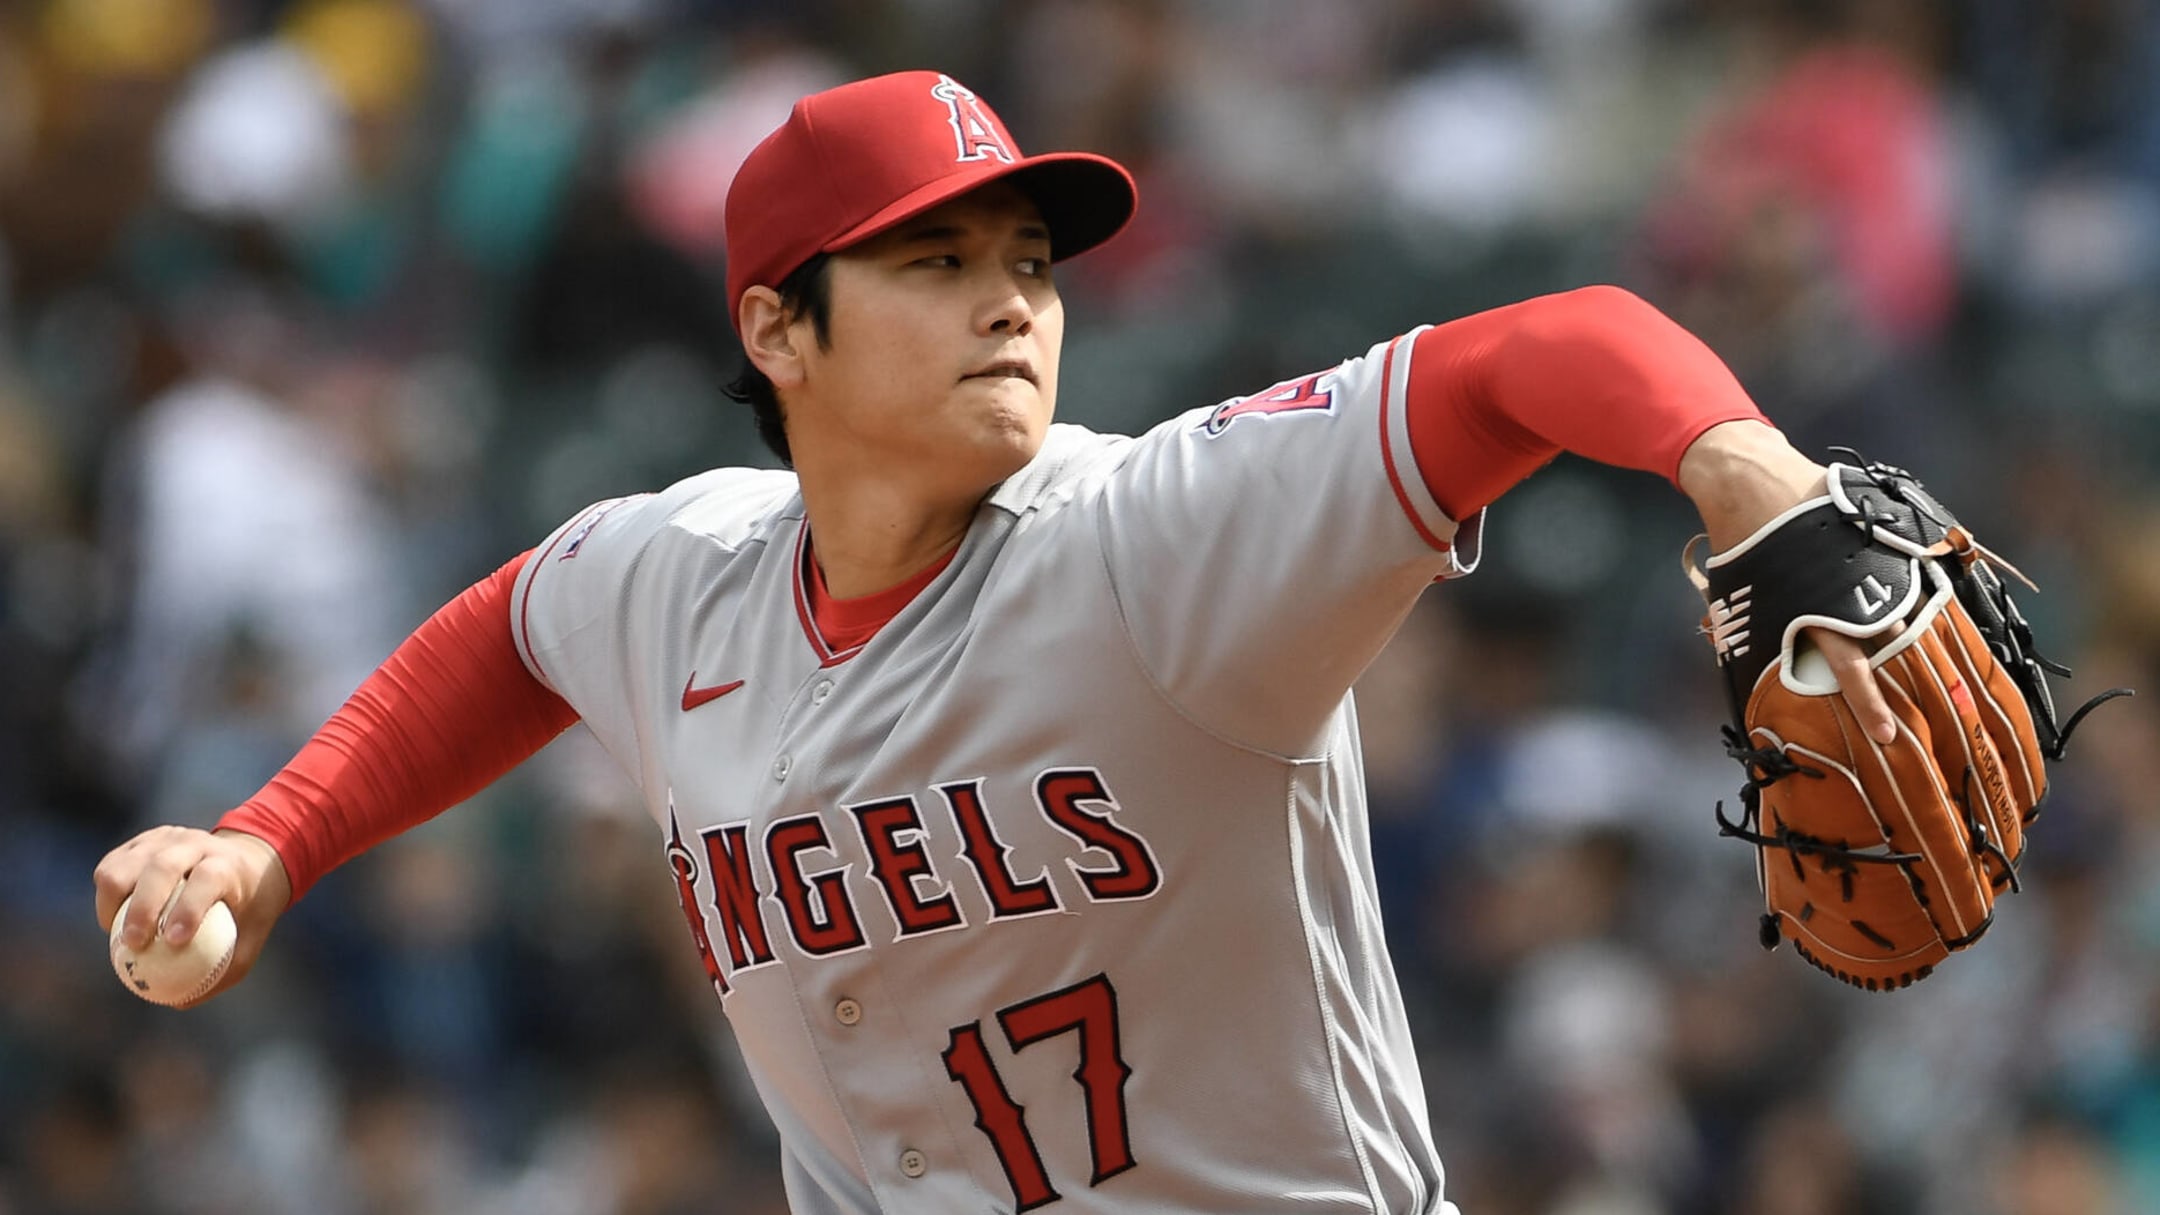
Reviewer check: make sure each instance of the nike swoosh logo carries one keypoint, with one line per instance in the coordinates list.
(693, 696)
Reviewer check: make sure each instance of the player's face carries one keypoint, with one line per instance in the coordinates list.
(944, 340)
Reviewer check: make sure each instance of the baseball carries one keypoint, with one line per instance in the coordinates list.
(1811, 669)
(164, 973)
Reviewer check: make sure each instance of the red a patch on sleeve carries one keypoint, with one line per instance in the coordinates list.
(1312, 392)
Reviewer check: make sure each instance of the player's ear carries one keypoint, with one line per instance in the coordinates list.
(769, 338)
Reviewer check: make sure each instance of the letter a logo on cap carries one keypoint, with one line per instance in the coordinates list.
(975, 135)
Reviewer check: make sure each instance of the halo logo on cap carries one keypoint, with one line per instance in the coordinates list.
(973, 133)
(855, 160)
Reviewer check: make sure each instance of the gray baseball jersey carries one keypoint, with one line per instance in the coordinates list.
(1057, 892)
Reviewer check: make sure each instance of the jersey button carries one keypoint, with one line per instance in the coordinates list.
(847, 1012)
(781, 767)
(822, 690)
(914, 1163)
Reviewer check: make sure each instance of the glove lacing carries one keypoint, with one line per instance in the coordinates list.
(1765, 766)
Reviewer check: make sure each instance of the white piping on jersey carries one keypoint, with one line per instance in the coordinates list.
(1425, 513)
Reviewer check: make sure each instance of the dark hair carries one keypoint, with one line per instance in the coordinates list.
(806, 291)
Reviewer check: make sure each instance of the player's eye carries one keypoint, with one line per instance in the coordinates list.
(940, 260)
(1034, 267)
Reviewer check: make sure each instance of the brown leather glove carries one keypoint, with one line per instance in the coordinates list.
(1880, 860)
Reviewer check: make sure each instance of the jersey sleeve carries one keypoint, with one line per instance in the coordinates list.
(583, 607)
(577, 580)
(1262, 550)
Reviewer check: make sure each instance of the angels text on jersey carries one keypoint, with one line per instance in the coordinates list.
(803, 883)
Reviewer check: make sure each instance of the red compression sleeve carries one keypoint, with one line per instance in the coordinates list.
(448, 712)
(1596, 371)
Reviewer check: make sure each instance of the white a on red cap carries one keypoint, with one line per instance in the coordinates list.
(853, 161)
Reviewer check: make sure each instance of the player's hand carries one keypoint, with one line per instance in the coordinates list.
(230, 866)
(1742, 475)
(1855, 678)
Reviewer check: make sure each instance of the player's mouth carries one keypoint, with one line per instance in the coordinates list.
(1004, 369)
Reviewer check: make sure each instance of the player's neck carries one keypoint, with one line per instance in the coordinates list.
(871, 537)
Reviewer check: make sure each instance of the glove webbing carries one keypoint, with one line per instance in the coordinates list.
(1988, 602)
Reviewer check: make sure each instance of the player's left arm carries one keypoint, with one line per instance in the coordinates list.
(1264, 550)
(1600, 373)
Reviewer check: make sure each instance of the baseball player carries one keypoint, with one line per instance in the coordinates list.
(1006, 772)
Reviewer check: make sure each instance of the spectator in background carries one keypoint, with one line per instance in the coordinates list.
(678, 176)
(2074, 89)
(1808, 231)
(254, 538)
(1830, 172)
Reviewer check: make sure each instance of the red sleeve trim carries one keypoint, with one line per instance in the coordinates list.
(452, 709)
(1387, 449)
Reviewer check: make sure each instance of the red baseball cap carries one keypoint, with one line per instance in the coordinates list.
(853, 161)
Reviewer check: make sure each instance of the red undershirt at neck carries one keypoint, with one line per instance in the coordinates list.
(848, 623)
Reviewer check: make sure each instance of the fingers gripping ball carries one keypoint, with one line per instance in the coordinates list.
(1878, 861)
(164, 973)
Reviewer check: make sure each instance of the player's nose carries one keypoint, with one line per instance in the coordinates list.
(1006, 313)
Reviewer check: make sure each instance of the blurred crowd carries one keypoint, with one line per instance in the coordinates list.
(314, 311)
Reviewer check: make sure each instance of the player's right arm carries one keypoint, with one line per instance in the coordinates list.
(452, 709)
(476, 690)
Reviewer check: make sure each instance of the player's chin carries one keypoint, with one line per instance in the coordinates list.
(1001, 443)
(1010, 414)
